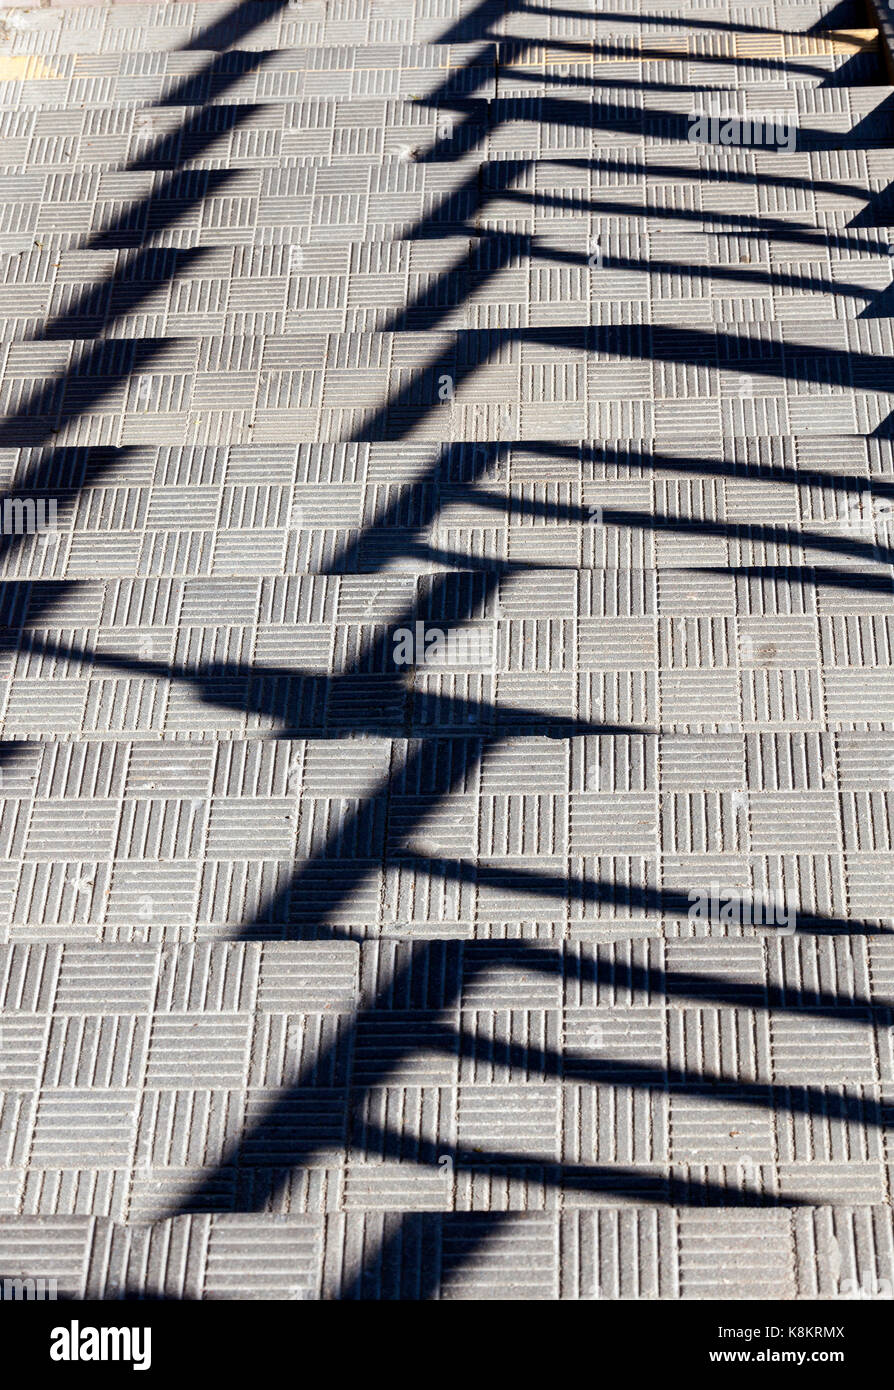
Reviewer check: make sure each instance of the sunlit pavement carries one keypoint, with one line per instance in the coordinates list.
(446, 678)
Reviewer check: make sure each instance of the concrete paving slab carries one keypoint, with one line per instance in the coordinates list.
(446, 697)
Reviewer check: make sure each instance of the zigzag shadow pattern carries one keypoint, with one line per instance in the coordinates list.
(440, 751)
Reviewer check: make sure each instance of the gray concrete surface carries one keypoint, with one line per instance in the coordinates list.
(333, 334)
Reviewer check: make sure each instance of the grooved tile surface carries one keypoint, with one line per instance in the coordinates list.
(446, 650)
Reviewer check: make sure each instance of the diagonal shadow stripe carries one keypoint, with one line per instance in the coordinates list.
(271, 1131)
(346, 887)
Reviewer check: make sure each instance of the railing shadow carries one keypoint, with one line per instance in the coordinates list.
(306, 703)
